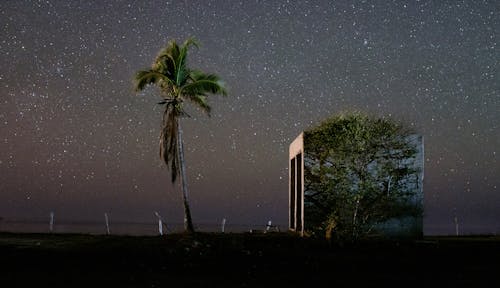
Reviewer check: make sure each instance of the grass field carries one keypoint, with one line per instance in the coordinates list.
(244, 260)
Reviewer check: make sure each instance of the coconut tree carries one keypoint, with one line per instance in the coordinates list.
(178, 84)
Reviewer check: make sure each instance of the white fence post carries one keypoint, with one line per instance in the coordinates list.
(106, 219)
(223, 225)
(51, 222)
(160, 223)
(269, 225)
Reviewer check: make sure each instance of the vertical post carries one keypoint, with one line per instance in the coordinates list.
(269, 225)
(292, 198)
(51, 222)
(455, 220)
(106, 219)
(160, 223)
(300, 193)
(223, 225)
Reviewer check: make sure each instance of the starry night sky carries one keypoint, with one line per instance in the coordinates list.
(76, 139)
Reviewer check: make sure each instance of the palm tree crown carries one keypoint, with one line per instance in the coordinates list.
(177, 83)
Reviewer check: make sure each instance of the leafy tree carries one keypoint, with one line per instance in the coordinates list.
(359, 173)
(177, 84)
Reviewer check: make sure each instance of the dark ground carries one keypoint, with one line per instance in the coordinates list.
(244, 260)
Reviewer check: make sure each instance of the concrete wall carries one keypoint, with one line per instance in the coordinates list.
(296, 185)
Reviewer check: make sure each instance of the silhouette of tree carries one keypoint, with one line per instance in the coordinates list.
(178, 84)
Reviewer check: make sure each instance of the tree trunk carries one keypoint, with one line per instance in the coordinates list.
(354, 223)
(188, 222)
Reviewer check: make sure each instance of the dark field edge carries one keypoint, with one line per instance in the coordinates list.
(244, 260)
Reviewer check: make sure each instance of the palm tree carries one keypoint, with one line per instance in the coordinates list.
(177, 83)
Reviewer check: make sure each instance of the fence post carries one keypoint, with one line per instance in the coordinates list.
(223, 225)
(161, 223)
(269, 225)
(51, 222)
(106, 219)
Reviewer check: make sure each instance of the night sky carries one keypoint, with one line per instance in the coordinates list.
(77, 140)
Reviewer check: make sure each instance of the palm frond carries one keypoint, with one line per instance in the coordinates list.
(182, 73)
(172, 50)
(202, 87)
(200, 101)
(165, 63)
(191, 41)
(202, 83)
(146, 77)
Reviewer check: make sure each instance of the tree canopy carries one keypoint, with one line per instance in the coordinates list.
(359, 172)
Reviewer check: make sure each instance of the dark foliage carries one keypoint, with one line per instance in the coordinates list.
(359, 172)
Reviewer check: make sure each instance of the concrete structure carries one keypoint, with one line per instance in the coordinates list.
(298, 161)
(296, 180)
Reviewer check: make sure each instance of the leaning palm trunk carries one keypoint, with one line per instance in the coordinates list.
(188, 221)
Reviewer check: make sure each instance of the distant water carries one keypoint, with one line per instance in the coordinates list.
(118, 228)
